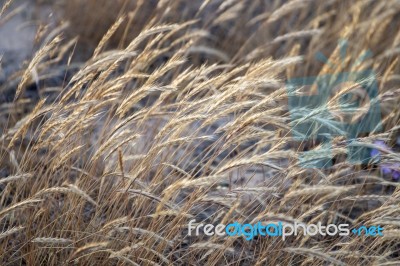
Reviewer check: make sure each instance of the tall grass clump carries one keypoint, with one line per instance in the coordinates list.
(169, 111)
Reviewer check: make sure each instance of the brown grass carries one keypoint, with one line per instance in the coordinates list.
(180, 111)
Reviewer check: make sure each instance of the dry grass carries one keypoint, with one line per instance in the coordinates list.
(181, 112)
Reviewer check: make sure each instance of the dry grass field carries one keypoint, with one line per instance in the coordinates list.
(132, 118)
